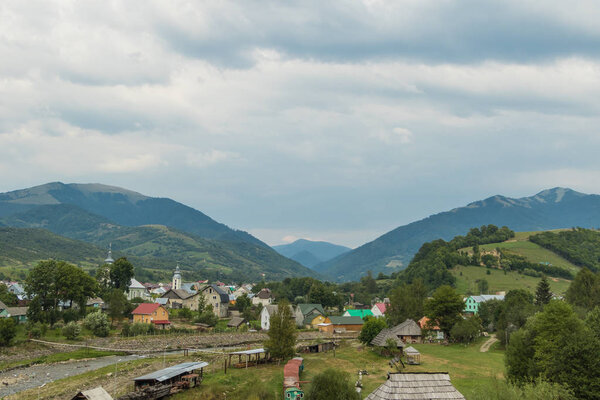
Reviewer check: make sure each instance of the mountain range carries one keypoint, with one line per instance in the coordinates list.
(550, 209)
(158, 232)
(310, 253)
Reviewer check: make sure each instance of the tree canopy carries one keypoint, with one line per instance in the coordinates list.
(557, 346)
(445, 307)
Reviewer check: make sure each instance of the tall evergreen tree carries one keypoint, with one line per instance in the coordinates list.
(542, 293)
(282, 332)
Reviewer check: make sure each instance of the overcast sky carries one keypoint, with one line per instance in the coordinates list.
(328, 120)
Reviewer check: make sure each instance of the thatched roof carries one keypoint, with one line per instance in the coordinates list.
(407, 328)
(416, 386)
(385, 334)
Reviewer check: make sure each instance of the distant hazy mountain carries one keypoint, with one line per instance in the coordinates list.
(161, 232)
(310, 253)
(549, 209)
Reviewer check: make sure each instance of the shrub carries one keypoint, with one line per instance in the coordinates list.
(36, 330)
(97, 322)
(70, 315)
(332, 384)
(71, 331)
(466, 330)
(371, 328)
(139, 328)
(126, 329)
(8, 331)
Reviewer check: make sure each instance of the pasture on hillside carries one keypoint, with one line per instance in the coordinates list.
(499, 281)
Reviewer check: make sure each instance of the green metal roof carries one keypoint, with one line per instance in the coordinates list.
(306, 308)
(346, 320)
(360, 313)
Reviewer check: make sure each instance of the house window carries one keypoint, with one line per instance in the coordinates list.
(216, 305)
(214, 297)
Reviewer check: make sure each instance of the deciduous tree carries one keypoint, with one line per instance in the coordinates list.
(282, 332)
(445, 307)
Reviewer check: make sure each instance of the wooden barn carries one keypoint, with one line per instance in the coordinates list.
(416, 386)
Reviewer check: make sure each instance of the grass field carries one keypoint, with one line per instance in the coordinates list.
(468, 369)
(498, 281)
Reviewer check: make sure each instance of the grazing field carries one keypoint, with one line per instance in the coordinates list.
(468, 369)
(467, 277)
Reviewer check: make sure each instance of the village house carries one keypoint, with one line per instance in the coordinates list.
(263, 297)
(342, 324)
(379, 309)
(472, 302)
(267, 312)
(434, 331)
(137, 290)
(305, 314)
(151, 313)
(180, 298)
(382, 338)
(217, 298)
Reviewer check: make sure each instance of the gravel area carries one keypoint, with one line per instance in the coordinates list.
(37, 375)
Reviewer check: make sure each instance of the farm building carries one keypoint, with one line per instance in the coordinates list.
(93, 394)
(151, 313)
(236, 322)
(416, 386)
(342, 324)
(408, 331)
(250, 357)
(317, 347)
(382, 338)
(172, 375)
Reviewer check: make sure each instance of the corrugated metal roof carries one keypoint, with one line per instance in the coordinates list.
(253, 351)
(170, 372)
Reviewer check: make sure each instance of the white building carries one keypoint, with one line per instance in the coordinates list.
(136, 289)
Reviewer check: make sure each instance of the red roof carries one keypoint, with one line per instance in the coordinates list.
(146, 308)
(381, 306)
(161, 322)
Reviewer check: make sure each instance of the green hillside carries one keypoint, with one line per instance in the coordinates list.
(157, 247)
(520, 245)
(22, 248)
(467, 280)
(154, 250)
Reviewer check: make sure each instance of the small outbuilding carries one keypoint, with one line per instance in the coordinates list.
(171, 375)
(413, 357)
(382, 338)
(93, 394)
(416, 386)
(236, 322)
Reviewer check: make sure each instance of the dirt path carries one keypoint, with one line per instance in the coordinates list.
(486, 346)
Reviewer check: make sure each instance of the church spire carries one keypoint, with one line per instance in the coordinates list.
(109, 259)
(176, 284)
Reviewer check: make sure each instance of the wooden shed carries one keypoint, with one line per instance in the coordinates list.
(416, 386)
(381, 339)
(93, 394)
(236, 322)
(413, 356)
